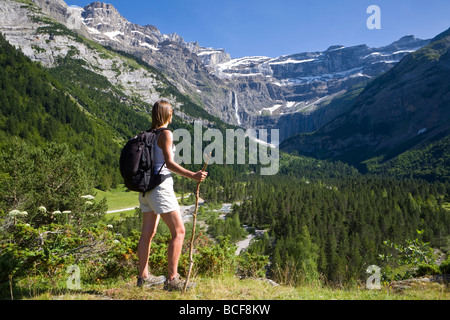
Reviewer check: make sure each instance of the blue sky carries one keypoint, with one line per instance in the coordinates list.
(280, 27)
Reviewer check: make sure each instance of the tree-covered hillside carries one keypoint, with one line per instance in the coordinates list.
(337, 226)
(36, 107)
(71, 104)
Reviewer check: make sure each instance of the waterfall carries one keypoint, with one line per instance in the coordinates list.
(236, 107)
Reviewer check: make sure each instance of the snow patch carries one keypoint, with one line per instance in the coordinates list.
(359, 74)
(145, 44)
(241, 62)
(272, 109)
(208, 52)
(113, 34)
(423, 130)
(386, 61)
(135, 31)
(290, 104)
(324, 77)
(335, 49)
(406, 51)
(292, 61)
(93, 31)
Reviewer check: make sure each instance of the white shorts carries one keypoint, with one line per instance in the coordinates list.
(161, 199)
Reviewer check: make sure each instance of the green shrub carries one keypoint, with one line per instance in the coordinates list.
(444, 268)
(427, 270)
(252, 265)
(216, 259)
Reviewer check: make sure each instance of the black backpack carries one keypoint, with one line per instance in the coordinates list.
(136, 162)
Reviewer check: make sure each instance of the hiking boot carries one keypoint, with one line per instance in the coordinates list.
(150, 281)
(177, 283)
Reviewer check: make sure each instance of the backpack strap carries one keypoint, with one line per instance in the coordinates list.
(158, 132)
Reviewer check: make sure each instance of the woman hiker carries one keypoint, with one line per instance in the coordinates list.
(161, 202)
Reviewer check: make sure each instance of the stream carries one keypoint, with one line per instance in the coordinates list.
(187, 211)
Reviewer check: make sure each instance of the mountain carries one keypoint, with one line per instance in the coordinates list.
(405, 108)
(252, 92)
(290, 93)
(181, 62)
(46, 34)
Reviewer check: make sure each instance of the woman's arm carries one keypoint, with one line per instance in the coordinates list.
(165, 142)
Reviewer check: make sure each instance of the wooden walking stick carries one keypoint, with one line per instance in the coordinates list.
(194, 221)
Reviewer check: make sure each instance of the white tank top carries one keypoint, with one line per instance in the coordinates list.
(159, 159)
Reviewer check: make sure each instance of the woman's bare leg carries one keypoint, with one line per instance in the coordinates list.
(175, 223)
(150, 222)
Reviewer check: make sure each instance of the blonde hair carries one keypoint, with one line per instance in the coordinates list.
(161, 112)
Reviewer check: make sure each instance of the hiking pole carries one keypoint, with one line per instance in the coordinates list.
(194, 221)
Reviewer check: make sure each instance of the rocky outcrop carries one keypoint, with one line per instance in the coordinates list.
(61, 12)
(181, 62)
(210, 57)
(309, 76)
(28, 27)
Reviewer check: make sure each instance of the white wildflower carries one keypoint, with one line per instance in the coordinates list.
(89, 197)
(42, 209)
(14, 213)
(109, 226)
(56, 212)
(67, 212)
(88, 202)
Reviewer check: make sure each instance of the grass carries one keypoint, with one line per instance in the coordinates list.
(118, 198)
(122, 199)
(231, 288)
(121, 215)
